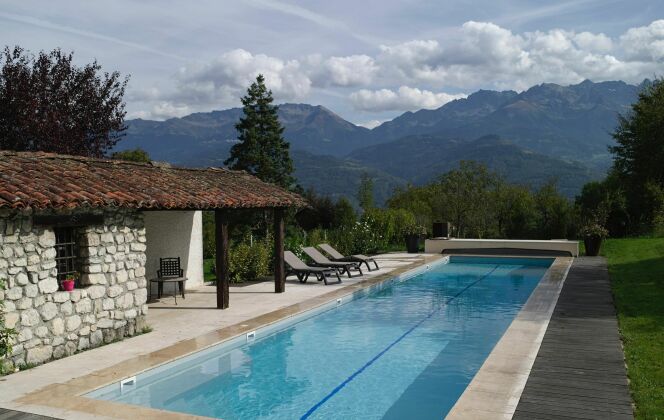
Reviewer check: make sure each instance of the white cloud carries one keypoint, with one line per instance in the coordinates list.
(371, 123)
(405, 98)
(485, 54)
(165, 110)
(645, 43)
(593, 42)
(476, 54)
(353, 70)
(225, 78)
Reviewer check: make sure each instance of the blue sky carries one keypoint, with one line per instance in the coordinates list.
(366, 60)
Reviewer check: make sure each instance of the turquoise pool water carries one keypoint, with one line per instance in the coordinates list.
(405, 350)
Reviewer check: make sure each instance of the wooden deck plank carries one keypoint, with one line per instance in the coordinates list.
(19, 415)
(579, 372)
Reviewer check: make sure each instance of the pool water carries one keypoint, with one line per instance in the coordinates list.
(405, 350)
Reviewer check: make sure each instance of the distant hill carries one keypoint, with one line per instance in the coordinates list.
(337, 177)
(314, 129)
(420, 159)
(572, 122)
(552, 131)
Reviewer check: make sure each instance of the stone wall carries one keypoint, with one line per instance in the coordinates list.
(109, 304)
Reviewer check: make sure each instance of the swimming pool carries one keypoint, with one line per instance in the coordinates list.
(406, 348)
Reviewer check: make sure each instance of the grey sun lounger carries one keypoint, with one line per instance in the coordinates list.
(302, 271)
(337, 256)
(321, 260)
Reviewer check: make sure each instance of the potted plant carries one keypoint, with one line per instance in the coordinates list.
(69, 283)
(593, 234)
(413, 233)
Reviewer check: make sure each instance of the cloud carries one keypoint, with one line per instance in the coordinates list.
(231, 73)
(483, 54)
(645, 43)
(417, 73)
(404, 99)
(371, 123)
(593, 42)
(353, 70)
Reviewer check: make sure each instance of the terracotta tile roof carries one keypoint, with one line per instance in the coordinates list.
(45, 180)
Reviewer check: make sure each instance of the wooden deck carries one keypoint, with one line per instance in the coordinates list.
(579, 372)
(18, 415)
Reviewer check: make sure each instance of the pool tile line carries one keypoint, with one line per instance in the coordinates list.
(390, 346)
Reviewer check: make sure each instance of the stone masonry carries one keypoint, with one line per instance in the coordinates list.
(109, 304)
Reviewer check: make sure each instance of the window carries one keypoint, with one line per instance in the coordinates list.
(66, 249)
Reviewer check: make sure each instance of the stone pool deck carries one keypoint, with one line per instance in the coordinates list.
(194, 323)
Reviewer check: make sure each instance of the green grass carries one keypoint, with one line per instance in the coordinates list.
(636, 267)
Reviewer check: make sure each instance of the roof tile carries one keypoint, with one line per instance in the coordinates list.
(46, 180)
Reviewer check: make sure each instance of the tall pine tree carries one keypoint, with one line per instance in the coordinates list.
(262, 150)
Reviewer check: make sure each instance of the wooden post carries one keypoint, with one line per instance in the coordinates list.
(279, 270)
(221, 257)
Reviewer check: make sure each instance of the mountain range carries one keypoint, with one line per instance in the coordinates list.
(548, 131)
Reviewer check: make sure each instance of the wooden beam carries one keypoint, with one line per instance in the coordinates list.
(279, 269)
(221, 257)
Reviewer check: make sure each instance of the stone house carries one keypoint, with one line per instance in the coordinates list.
(109, 221)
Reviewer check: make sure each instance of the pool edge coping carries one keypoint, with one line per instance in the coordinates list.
(496, 388)
(69, 395)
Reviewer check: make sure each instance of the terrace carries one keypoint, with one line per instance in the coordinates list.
(523, 376)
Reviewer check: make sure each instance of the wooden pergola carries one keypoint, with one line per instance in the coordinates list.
(222, 248)
(38, 180)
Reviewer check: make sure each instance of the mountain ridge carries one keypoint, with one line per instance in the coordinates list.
(569, 124)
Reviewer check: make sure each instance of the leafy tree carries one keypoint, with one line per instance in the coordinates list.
(554, 212)
(639, 153)
(262, 150)
(604, 202)
(419, 201)
(516, 214)
(49, 104)
(464, 198)
(133, 155)
(365, 193)
(344, 214)
(319, 214)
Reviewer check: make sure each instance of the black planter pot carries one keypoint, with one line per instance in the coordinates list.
(413, 244)
(593, 244)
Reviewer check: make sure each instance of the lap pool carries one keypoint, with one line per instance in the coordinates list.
(407, 348)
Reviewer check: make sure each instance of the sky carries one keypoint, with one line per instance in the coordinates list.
(366, 60)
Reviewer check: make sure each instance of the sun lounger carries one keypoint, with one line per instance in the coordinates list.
(337, 256)
(322, 261)
(302, 271)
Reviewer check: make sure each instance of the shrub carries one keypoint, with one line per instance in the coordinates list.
(6, 334)
(390, 224)
(249, 261)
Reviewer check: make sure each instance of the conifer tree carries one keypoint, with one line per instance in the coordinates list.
(262, 150)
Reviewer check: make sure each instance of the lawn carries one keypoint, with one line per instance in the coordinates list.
(636, 267)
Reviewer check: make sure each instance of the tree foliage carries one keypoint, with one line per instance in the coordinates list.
(480, 204)
(133, 155)
(639, 153)
(262, 149)
(365, 192)
(47, 103)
